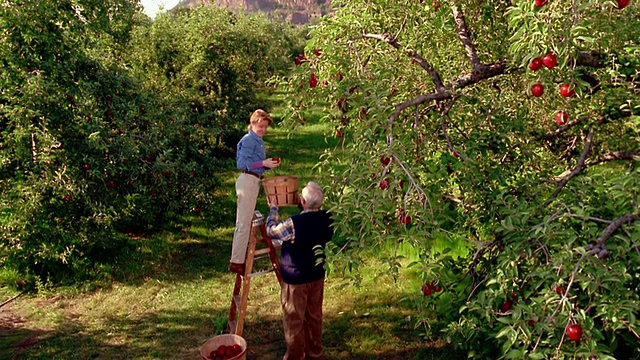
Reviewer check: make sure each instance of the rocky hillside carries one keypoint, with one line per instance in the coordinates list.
(296, 12)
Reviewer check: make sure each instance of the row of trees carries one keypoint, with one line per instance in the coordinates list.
(456, 128)
(112, 123)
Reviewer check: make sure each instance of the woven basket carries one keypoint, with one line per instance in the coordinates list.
(224, 339)
(282, 190)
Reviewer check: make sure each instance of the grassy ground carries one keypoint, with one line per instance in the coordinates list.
(180, 296)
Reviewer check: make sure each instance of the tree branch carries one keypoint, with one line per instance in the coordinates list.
(555, 133)
(576, 170)
(615, 155)
(615, 225)
(465, 38)
(393, 42)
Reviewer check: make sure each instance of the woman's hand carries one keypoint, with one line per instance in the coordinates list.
(271, 163)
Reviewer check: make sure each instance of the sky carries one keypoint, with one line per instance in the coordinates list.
(151, 7)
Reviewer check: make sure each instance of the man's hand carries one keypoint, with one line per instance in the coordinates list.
(271, 201)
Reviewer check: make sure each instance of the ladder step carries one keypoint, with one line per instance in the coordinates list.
(262, 251)
(261, 272)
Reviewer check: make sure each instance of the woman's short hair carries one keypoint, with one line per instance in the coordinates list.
(313, 195)
(259, 116)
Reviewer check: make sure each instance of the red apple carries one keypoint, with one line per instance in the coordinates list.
(318, 52)
(435, 5)
(506, 306)
(540, 3)
(222, 349)
(537, 89)
(339, 133)
(531, 323)
(276, 159)
(535, 64)
(362, 114)
(228, 352)
(313, 81)
(622, 4)
(342, 105)
(385, 160)
(324, 83)
(561, 117)
(559, 290)
(550, 60)
(339, 77)
(87, 167)
(404, 218)
(574, 332)
(566, 90)
(427, 289)
(67, 198)
(384, 184)
(141, 107)
(109, 99)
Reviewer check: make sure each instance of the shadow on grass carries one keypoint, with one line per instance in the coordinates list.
(160, 335)
(359, 323)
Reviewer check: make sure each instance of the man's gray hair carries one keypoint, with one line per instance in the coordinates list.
(313, 195)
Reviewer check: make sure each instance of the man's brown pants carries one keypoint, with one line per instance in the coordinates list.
(302, 310)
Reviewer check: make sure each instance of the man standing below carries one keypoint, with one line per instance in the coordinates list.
(302, 259)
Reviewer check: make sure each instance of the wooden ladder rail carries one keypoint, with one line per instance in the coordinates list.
(240, 298)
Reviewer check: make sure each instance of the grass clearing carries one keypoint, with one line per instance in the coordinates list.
(178, 294)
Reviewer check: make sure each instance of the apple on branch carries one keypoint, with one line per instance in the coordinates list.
(622, 4)
(313, 82)
(574, 332)
(535, 64)
(550, 60)
(566, 90)
(561, 117)
(537, 89)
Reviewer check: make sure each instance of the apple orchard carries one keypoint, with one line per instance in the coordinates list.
(504, 133)
(507, 131)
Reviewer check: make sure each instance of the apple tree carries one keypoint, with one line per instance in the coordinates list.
(507, 131)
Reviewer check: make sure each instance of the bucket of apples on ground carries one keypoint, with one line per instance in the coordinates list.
(224, 347)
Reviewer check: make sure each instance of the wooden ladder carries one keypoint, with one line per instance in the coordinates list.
(240, 296)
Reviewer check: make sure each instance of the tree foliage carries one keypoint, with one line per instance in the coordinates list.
(443, 142)
(113, 123)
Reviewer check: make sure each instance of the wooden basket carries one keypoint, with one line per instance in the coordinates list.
(224, 339)
(282, 190)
